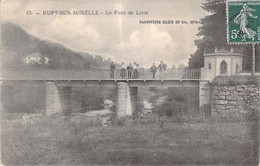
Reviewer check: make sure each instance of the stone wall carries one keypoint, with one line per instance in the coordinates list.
(126, 99)
(57, 99)
(238, 99)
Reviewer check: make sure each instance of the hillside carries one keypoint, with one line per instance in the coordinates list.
(17, 44)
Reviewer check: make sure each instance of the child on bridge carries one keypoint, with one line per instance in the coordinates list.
(153, 70)
(130, 71)
(123, 70)
(112, 69)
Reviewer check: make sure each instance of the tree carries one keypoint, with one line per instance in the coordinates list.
(87, 65)
(181, 66)
(173, 68)
(213, 34)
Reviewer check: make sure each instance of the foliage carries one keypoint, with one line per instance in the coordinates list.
(139, 107)
(49, 141)
(178, 102)
(42, 60)
(18, 44)
(22, 99)
(86, 99)
(171, 108)
(173, 68)
(236, 80)
(30, 99)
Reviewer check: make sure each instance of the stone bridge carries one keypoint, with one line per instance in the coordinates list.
(58, 83)
(58, 86)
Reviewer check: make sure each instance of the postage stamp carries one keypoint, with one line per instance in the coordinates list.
(243, 21)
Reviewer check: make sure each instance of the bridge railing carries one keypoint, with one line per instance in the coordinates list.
(99, 74)
(191, 73)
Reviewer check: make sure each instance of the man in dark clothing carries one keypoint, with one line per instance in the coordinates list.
(130, 70)
(112, 70)
(136, 68)
(153, 70)
(162, 69)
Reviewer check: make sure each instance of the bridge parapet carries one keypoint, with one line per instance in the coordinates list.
(144, 74)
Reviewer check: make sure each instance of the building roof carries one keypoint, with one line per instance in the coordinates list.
(223, 52)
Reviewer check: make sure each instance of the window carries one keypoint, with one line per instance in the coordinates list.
(237, 68)
(223, 67)
(209, 66)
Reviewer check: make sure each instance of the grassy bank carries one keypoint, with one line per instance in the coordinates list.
(236, 80)
(60, 141)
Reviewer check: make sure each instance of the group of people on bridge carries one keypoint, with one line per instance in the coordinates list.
(131, 71)
(162, 70)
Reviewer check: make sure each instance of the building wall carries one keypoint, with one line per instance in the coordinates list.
(211, 73)
(216, 61)
(235, 61)
(219, 60)
(29, 60)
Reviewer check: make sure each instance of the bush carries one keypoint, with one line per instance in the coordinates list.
(236, 80)
(206, 109)
(22, 99)
(171, 108)
(124, 121)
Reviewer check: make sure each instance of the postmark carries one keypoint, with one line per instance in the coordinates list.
(243, 21)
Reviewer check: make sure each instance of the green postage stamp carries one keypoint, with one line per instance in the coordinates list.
(243, 21)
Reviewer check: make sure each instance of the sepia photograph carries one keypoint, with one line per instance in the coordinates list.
(117, 82)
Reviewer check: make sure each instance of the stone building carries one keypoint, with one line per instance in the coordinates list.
(36, 58)
(221, 62)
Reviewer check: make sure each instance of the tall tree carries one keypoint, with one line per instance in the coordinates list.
(212, 34)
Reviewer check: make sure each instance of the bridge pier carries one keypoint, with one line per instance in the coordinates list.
(57, 99)
(126, 99)
(204, 97)
(1, 99)
(133, 98)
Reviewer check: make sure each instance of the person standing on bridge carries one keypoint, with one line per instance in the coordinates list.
(130, 71)
(112, 69)
(134, 70)
(123, 70)
(137, 70)
(162, 69)
(135, 67)
(153, 70)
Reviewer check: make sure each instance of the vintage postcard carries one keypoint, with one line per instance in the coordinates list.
(158, 82)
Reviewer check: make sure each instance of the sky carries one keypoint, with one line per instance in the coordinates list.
(119, 37)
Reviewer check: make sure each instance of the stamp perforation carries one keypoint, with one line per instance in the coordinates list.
(228, 25)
